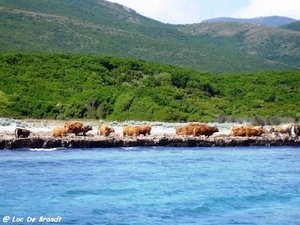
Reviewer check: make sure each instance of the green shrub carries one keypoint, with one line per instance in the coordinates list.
(66, 87)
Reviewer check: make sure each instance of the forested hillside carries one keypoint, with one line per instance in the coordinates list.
(63, 59)
(275, 45)
(60, 86)
(98, 27)
(295, 26)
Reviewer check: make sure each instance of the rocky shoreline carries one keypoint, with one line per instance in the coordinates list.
(148, 141)
(162, 135)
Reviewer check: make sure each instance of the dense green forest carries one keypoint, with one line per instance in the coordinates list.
(60, 86)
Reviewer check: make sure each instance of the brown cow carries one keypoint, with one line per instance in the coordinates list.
(178, 129)
(186, 130)
(144, 129)
(248, 131)
(74, 127)
(85, 129)
(60, 132)
(247, 127)
(131, 131)
(204, 130)
(105, 130)
(253, 127)
(22, 133)
(77, 128)
(238, 131)
(251, 132)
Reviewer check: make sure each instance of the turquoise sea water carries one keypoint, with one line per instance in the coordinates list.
(250, 185)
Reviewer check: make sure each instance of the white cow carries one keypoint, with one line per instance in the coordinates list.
(283, 129)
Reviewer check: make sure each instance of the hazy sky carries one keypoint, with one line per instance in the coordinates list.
(194, 11)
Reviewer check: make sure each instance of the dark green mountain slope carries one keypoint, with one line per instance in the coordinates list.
(270, 45)
(97, 27)
(295, 26)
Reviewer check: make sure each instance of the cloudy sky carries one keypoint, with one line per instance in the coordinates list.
(194, 11)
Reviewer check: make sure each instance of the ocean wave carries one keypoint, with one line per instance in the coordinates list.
(44, 149)
(130, 148)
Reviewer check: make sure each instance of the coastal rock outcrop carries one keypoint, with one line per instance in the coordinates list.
(149, 141)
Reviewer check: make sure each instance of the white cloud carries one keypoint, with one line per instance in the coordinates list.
(194, 11)
(167, 11)
(183, 11)
(257, 8)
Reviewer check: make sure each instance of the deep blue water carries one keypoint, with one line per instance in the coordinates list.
(250, 185)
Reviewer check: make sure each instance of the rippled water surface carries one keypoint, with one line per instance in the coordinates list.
(248, 185)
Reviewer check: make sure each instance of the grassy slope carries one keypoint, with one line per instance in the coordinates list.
(103, 28)
(272, 46)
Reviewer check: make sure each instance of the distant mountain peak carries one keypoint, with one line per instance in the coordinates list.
(270, 21)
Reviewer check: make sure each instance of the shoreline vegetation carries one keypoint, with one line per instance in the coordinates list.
(162, 135)
(64, 87)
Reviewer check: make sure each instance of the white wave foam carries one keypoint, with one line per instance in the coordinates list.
(129, 148)
(43, 149)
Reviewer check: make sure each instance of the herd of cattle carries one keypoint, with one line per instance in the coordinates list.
(237, 131)
(194, 129)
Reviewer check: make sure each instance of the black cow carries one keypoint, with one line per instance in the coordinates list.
(22, 133)
(297, 130)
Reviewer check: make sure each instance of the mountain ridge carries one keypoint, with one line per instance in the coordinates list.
(295, 26)
(272, 21)
(96, 27)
